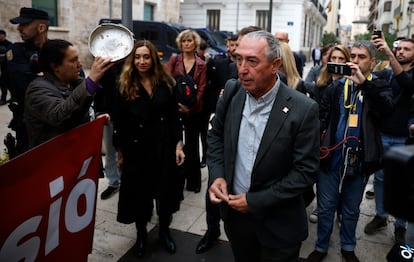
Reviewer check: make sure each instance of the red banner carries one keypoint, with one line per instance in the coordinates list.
(48, 198)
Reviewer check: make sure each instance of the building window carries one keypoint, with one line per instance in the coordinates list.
(262, 18)
(387, 6)
(50, 6)
(148, 12)
(386, 27)
(213, 19)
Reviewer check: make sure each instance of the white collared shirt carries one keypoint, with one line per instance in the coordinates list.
(253, 123)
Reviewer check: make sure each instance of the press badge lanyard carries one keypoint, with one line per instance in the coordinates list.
(353, 115)
(352, 118)
(351, 122)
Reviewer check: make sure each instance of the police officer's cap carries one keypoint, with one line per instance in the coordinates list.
(27, 15)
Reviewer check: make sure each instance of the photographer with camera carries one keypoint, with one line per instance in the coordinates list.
(348, 116)
(393, 125)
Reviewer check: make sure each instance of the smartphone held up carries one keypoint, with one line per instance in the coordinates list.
(339, 69)
(377, 33)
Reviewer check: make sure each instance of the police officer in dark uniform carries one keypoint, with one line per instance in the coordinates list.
(22, 66)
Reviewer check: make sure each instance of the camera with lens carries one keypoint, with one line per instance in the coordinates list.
(352, 163)
(339, 69)
(398, 164)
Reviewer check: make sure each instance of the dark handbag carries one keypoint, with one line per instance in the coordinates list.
(186, 90)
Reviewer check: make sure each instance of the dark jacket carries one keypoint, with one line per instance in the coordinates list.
(395, 122)
(313, 74)
(286, 164)
(51, 108)
(233, 73)
(299, 63)
(4, 47)
(4, 75)
(377, 101)
(176, 67)
(216, 78)
(22, 67)
(313, 55)
(104, 99)
(146, 131)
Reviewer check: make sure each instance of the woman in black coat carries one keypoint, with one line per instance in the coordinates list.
(147, 136)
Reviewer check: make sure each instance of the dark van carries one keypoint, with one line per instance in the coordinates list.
(215, 41)
(161, 34)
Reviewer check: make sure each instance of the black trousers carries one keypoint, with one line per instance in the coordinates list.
(191, 169)
(212, 215)
(246, 246)
(205, 121)
(4, 83)
(3, 89)
(22, 139)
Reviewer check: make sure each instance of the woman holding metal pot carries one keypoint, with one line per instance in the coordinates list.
(59, 99)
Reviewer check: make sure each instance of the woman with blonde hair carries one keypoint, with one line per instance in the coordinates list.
(147, 136)
(314, 72)
(288, 68)
(188, 63)
(338, 54)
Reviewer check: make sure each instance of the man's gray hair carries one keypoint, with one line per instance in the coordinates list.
(273, 50)
(368, 45)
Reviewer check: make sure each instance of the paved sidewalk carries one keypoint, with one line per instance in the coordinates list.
(112, 239)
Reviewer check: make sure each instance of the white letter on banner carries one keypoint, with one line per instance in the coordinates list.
(28, 250)
(52, 237)
(74, 222)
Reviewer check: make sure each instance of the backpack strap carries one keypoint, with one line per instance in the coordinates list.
(230, 89)
(176, 61)
(175, 64)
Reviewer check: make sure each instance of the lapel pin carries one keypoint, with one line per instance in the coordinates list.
(285, 109)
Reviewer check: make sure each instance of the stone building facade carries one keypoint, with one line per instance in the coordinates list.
(77, 18)
(303, 20)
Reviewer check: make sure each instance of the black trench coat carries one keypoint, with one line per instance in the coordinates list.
(147, 130)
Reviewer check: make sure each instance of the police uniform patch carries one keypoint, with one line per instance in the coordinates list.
(9, 55)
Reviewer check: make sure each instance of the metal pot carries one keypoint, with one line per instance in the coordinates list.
(111, 40)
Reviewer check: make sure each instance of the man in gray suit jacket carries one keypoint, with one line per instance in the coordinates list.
(263, 153)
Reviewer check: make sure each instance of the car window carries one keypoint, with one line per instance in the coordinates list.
(219, 38)
(171, 38)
